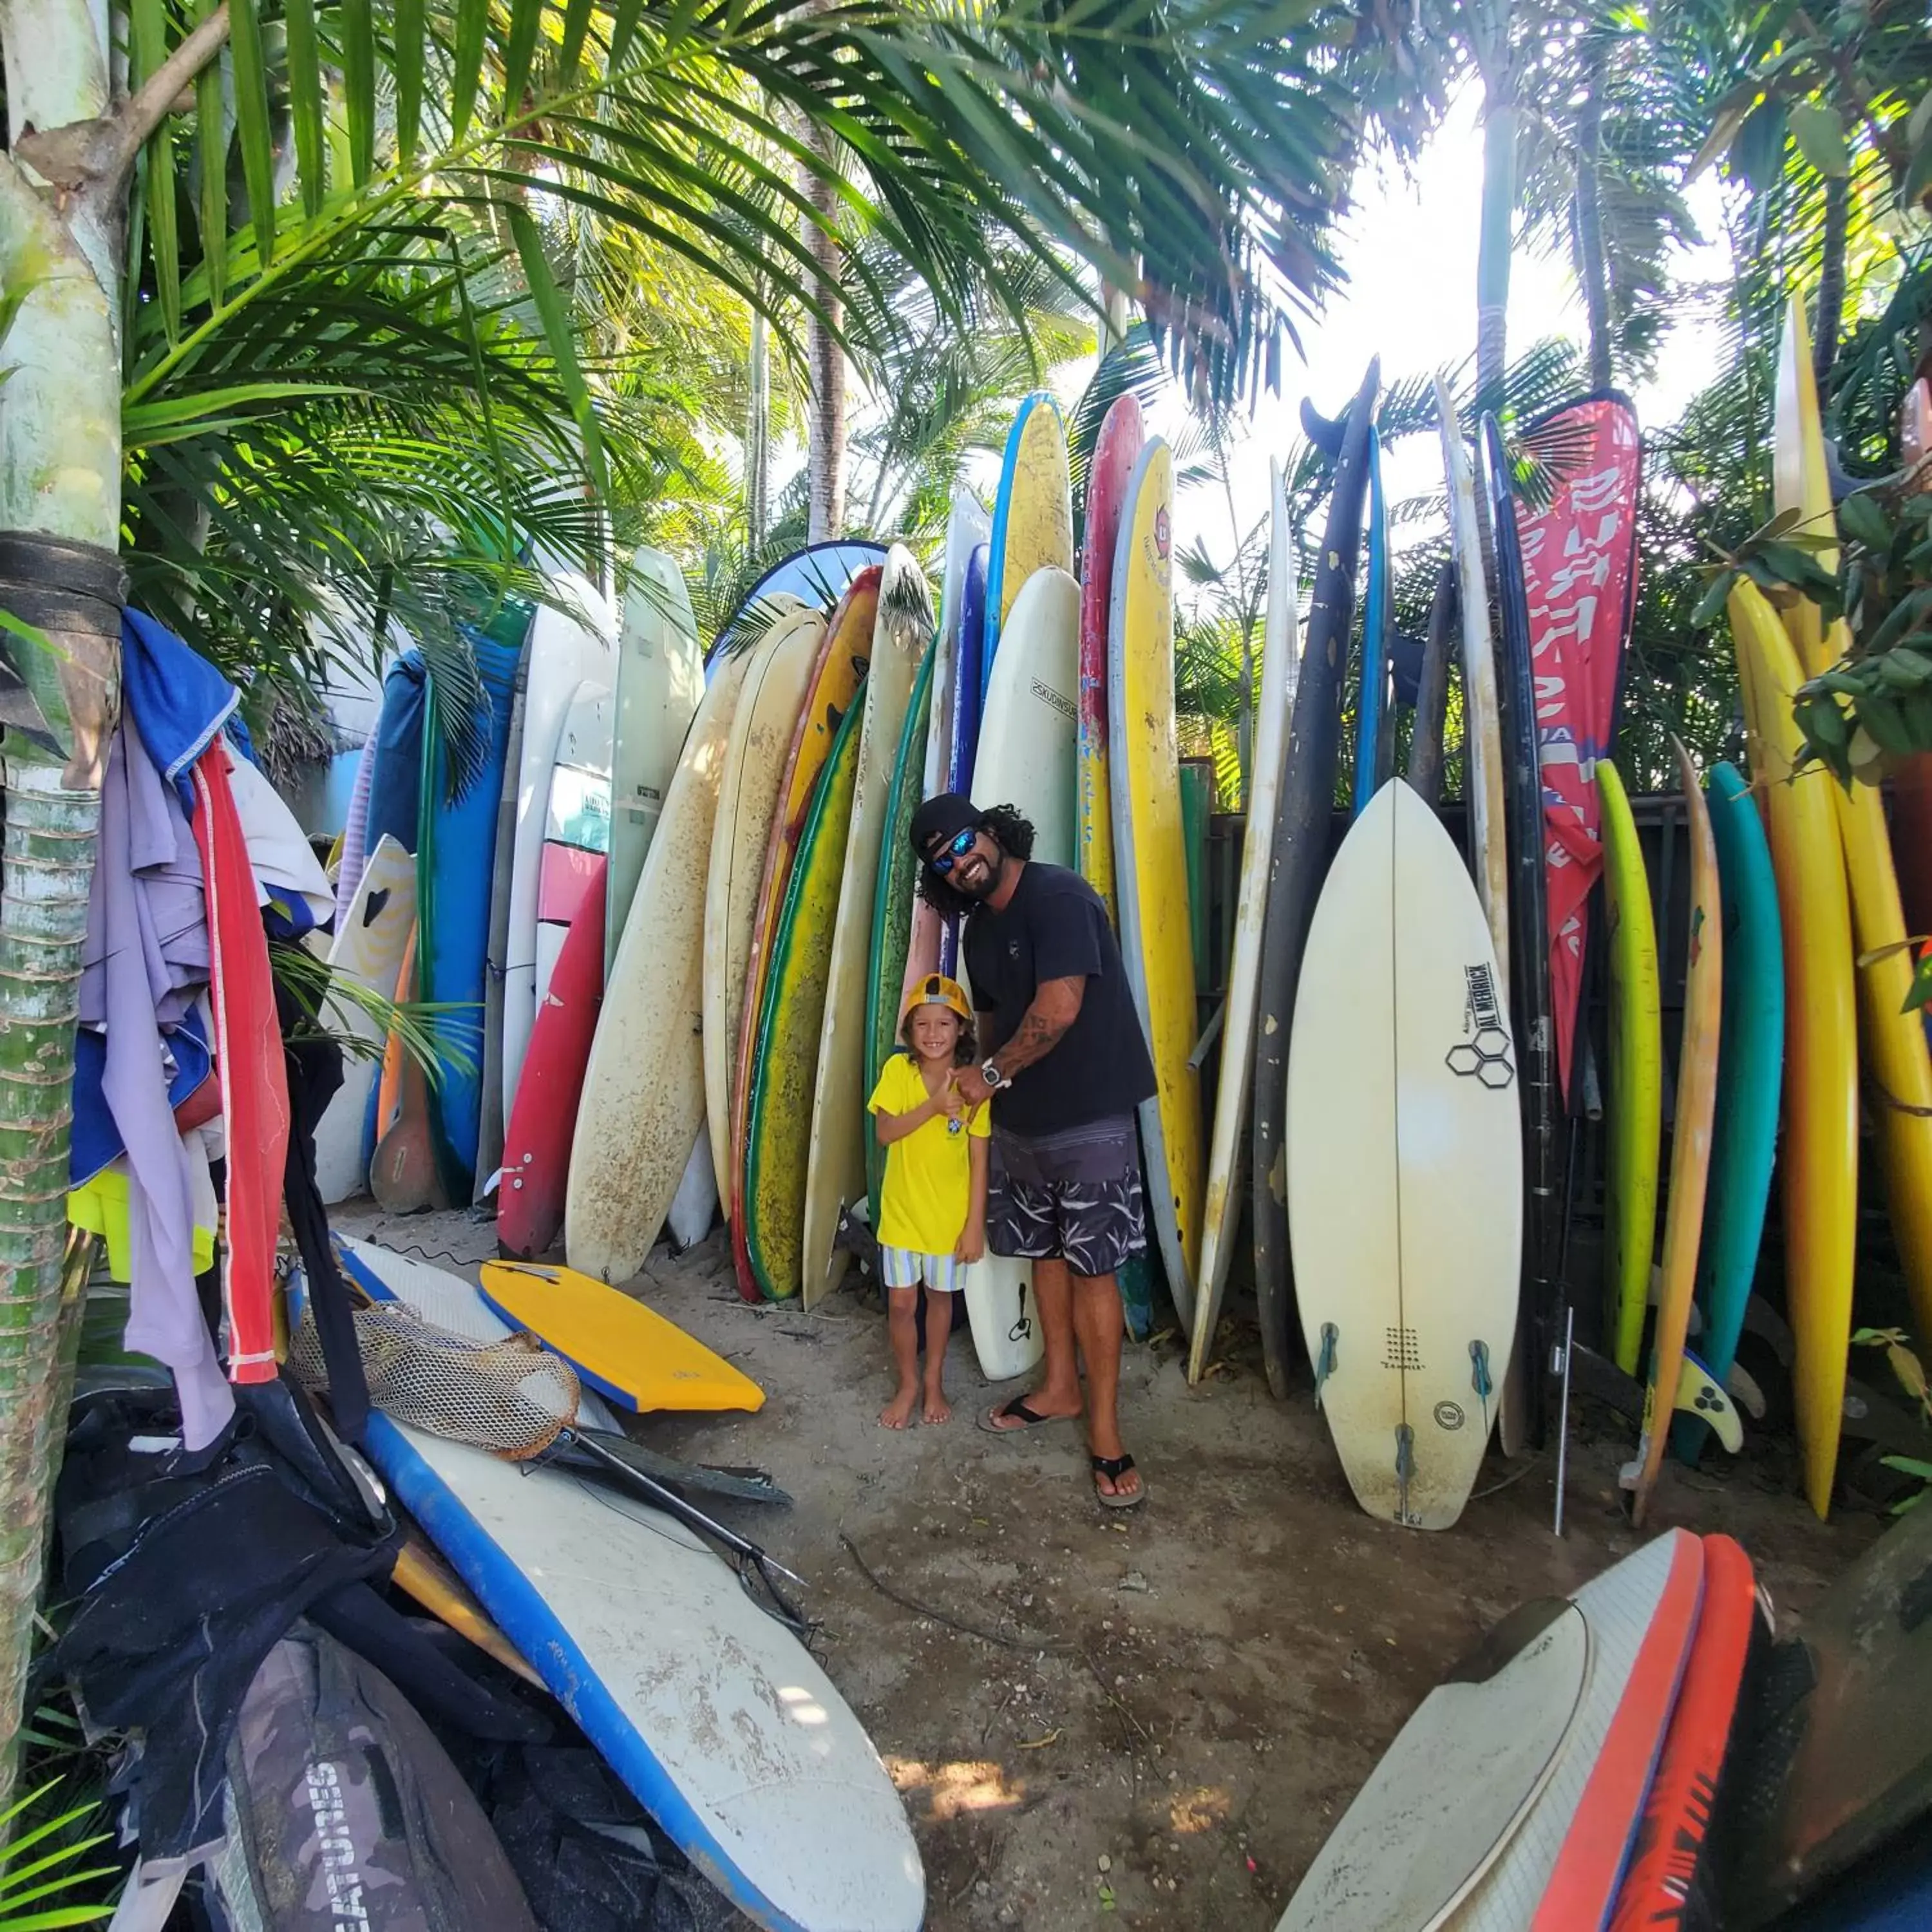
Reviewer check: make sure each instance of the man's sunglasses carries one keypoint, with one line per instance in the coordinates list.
(943, 861)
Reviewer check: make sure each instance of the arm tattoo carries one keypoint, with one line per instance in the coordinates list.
(1056, 1006)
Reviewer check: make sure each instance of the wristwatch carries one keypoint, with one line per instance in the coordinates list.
(989, 1071)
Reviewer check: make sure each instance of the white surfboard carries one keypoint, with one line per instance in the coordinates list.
(1027, 758)
(836, 1155)
(643, 1088)
(1281, 665)
(1449, 1791)
(1404, 1150)
(368, 949)
(716, 1718)
(775, 683)
(577, 821)
(660, 680)
(695, 1206)
(565, 650)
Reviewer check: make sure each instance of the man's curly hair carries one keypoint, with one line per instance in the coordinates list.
(1012, 834)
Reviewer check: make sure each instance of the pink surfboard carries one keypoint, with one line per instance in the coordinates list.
(543, 1122)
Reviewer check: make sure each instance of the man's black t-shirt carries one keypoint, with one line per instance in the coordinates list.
(1055, 927)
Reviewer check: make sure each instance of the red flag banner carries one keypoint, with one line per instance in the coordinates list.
(1580, 567)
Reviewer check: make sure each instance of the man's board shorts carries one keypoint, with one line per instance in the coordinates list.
(1073, 1196)
(907, 1268)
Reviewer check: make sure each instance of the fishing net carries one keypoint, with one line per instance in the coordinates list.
(510, 1396)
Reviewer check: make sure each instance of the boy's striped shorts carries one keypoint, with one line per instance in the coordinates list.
(907, 1268)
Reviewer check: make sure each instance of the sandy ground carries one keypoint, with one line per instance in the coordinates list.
(1151, 1719)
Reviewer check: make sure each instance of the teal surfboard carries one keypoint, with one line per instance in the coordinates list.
(1751, 1066)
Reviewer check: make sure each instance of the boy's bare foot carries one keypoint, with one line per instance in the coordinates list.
(898, 1413)
(937, 1409)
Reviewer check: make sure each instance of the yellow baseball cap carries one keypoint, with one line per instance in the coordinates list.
(935, 989)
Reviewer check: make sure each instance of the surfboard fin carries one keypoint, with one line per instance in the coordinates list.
(1405, 1468)
(1699, 1394)
(1325, 1367)
(1480, 1378)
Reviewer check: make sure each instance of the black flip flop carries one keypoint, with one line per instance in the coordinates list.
(1015, 1406)
(1113, 1468)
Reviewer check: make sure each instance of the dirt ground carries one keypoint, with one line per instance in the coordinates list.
(1150, 1719)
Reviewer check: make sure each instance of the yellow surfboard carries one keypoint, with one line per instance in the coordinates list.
(1689, 1138)
(1156, 936)
(1636, 1074)
(1033, 516)
(1819, 1158)
(628, 1352)
(1894, 1039)
(422, 1573)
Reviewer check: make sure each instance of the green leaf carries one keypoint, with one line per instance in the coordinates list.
(408, 29)
(210, 120)
(624, 18)
(1861, 519)
(576, 25)
(1710, 605)
(305, 104)
(358, 85)
(1919, 993)
(558, 333)
(148, 30)
(519, 45)
(1820, 134)
(472, 23)
(251, 123)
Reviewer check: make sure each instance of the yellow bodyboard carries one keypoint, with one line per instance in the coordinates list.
(1151, 862)
(1636, 1074)
(1894, 1040)
(628, 1352)
(1033, 520)
(1819, 1157)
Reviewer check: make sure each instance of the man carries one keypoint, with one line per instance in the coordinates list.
(1066, 1065)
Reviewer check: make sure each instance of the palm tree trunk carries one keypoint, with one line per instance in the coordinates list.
(1592, 271)
(757, 436)
(1832, 278)
(1500, 116)
(825, 356)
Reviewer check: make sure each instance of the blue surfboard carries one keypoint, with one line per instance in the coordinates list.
(456, 858)
(967, 691)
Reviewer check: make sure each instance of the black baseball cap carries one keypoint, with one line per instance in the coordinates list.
(943, 818)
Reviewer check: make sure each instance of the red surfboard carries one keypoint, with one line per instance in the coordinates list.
(1590, 1867)
(1121, 436)
(543, 1121)
(1663, 1868)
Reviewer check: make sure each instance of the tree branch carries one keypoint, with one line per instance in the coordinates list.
(143, 111)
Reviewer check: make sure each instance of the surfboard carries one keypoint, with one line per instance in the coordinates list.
(965, 740)
(781, 1052)
(1221, 1212)
(717, 1720)
(695, 1206)
(1818, 1157)
(404, 1174)
(1157, 938)
(659, 679)
(543, 1123)
(1405, 1166)
(490, 1134)
(1033, 517)
(568, 649)
(967, 529)
(1108, 477)
(1526, 837)
(643, 1087)
(1027, 759)
(1372, 703)
(1295, 870)
(1750, 1062)
(1667, 1863)
(816, 578)
(1690, 1139)
(626, 1352)
(1457, 1781)
(1568, 1855)
(577, 824)
(781, 665)
(368, 950)
(830, 691)
(1894, 1040)
(893, 968)
(836, 1155)
(1636, 1099)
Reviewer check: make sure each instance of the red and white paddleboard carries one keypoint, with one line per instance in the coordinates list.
(543, 1123)
(1664, 1867)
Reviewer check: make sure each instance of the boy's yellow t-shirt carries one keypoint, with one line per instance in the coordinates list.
(929, 1183)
